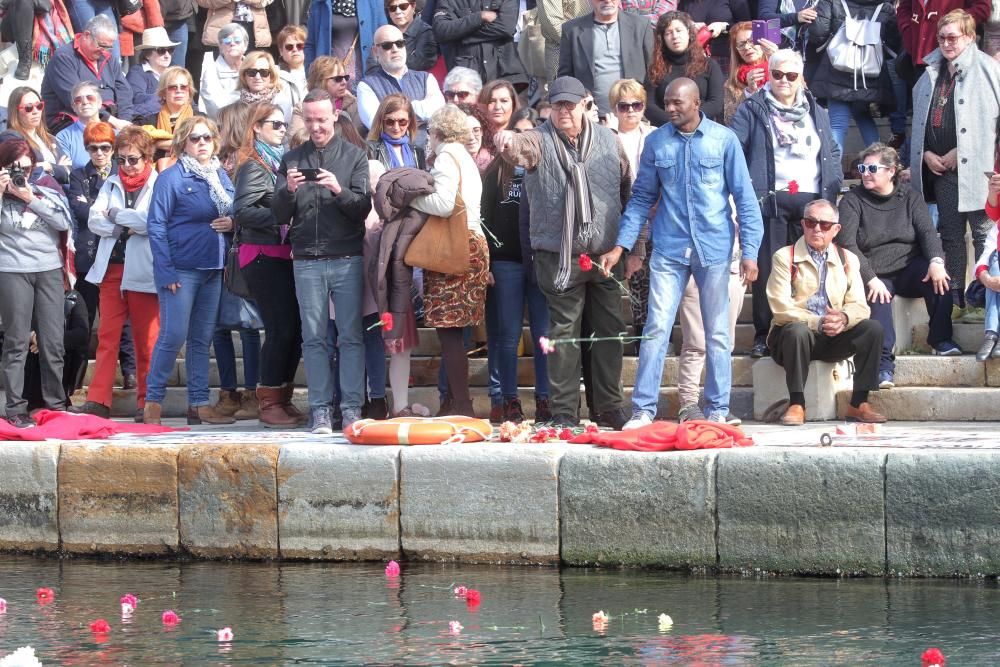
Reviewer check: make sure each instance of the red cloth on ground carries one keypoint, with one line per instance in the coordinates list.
(54, 425)
(667, 436)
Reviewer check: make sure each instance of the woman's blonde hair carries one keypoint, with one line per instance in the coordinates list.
(250, 62)
(186, 128)
(169, 78)
(449, 124)
(623, 88)
(321, 69)
(964, 19)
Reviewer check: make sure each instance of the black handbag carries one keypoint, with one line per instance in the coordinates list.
(126, 7)
(232, 275)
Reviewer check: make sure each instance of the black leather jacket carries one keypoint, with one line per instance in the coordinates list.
(324, 224)
(252, 205)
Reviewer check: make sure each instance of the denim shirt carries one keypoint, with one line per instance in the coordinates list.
(695, 178)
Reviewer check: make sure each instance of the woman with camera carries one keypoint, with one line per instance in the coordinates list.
(34, 220)
(26, 120)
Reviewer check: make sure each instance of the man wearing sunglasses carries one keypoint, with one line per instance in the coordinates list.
(88, 58)
(821, 313)
(393, 76)
(480, 34)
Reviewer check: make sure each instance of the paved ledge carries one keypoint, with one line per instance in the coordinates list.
(917, 500)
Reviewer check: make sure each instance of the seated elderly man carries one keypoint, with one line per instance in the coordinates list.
(817, 295)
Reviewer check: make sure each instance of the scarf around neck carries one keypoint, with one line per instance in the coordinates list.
(164, 121)
(789, 129)
(210, 174)
(578, 214)
(270, 156)
(133, 183)
(404, 143)
(266, 95)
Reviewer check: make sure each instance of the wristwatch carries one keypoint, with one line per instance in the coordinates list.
(937, 260)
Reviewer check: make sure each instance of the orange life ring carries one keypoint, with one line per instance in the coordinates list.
(418, 431)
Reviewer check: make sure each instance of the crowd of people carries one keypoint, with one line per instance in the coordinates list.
(344, 173)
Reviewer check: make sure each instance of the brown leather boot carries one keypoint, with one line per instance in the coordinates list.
(287, 390)
(207, 414)
(272, 413)
(151, 413)
(228, 403)
(249, 408)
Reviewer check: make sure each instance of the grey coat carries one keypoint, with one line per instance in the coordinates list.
(977, 111)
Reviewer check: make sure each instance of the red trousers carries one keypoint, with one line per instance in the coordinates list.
(115, 307)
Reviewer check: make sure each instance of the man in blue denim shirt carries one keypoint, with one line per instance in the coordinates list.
(692, 165)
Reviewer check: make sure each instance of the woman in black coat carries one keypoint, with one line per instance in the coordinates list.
(677, 54)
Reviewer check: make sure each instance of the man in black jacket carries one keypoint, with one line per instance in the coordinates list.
(322, 191)
(479, 34)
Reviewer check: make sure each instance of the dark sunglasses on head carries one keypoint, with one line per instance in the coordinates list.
(28, 108)
(294, 46)
(811, 223)
(104, 148)
(198, 138)
(403, 6)
(625, 107)
(457, 95)
(387, 46)
(130, 160)
(262, 73)
(275, 124)
(165, 50)
(870, 168)
(339, 78)
(397, 122)
(778, 75)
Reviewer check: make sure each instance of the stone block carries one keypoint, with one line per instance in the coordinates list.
(29, 499)
(992, 373)
(933, 403)
(117, 498)
(228, 502)
(633, 508)
(906, 314)
(931, 371)
(968, 336)
(824, 381)
(480, 503)
(338, 502)
(801, 510)
(943, 512)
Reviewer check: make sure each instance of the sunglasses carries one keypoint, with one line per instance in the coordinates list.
(199, 138)
(871, 168)
(948, 39)
(229, 41)
(164, 50)
(778, 75)
(28, 108)
(130, 160)
(402, 7)
(80, 99)
(262, 73)
(625, 107)
(460, 95)
(299, 46)
(397, 122)
(178, 87)
(104, 148)
(275, 124)
(588, 105)
(387, 46)
(812, 223)
(339, 78)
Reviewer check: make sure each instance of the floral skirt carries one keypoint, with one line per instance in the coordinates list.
(458, 301)
(410, 338)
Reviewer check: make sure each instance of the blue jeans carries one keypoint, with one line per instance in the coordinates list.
(178, 32)
(504, 314)
(82, 11)
(374, 356)
(225, 357)
(840, 120)
(187, 315)
(992, 322)
(316, 281)
(667, 280)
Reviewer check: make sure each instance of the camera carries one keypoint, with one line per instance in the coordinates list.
(17, 176)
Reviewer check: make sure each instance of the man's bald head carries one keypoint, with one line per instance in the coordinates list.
(393, 59)
(682, 102)
(685, 88)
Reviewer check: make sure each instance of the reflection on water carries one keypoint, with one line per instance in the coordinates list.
(350, 614)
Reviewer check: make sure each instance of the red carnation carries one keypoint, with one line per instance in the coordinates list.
(472, 596)
(45, 595)
(586, 264)
(100, 627)
(932, 656)
(565, 433)
(793, 187)
(387, 321)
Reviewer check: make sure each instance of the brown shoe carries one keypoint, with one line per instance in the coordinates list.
(272, 413)
(865, 414)
(228, 403)
(795, 415)
(249, 409)
(207, 414)
(287, 390)
(151, 413)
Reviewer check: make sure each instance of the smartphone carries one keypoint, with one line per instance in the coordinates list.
(311, 173)
(769, 30)
(990, 174)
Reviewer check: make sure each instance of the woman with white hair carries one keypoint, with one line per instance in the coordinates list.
(793, 159)
(221, 76)
(462, 85)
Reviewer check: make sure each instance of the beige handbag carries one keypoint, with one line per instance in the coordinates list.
(442, 244)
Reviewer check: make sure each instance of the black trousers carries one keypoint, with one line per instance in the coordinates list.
(794, 345)
(272, 285)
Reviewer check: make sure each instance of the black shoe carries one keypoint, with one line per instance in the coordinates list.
(129, 381)
(21, 421)
(543, 412)
(24, 54)
(378, 408)
(613, 419)
(564, 421)
(512, 411)
(759, 349)
(138, 416)
(92, 408)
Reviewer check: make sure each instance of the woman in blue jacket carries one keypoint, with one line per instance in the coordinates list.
(188, 223)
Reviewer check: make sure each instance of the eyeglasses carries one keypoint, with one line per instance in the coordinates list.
(80, 99)
(165, 51)
(387, 46)
(130, 160)
(101, 47)
(275, 124)
(339, 78)
(778, 75)
(198, 138)
(104, 148)
(871, 168)
(401, 7)
(294, 46)
(949, 39)
(178, 87)
(812, 223)
(262, 73)
(397, 122)
(229, 41)
(460, 95)
(625, 107)
(745, 44)
(564, 105)
(28, 108)
(477, 131)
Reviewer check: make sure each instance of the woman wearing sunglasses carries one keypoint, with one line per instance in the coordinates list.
(679, 54)
(155, 54)
(188, 222)
(886, 224)
(291, 51)
(220, 76)
(26, 120)
(249, 15)
(328, 73)
(793, 159)
(748, 70)
(124, 269)
(421, 45)
(175, 92)
(260, 82)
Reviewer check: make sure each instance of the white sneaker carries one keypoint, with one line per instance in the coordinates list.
(639, 419)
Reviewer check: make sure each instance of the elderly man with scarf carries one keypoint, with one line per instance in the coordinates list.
(577, 177)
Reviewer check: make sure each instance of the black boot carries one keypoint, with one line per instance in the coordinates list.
(23, 70)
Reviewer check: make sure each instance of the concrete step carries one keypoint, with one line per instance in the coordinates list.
(968, 336)
(933, 403)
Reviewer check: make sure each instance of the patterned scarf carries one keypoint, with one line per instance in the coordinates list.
(579, 210)
(51, 30)
(210, 174)
(404, 141)
(266, 95)
(270, 156)
(789, 130)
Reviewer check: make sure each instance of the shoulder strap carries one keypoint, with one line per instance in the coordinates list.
(792, 267)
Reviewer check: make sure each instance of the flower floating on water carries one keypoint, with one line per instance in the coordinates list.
(461, 591)
(385, 321)
(100, 627)
(454, 627)
(3, 606)
(472, 596)
(224, 635)
(932, 657)
(600, 621)
(129, 602)
(665, 621)
(170, 618)
(45, 595)
(392, 569)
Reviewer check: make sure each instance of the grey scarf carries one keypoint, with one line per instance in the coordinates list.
(789, 130)
(210, 173)
(579, 210)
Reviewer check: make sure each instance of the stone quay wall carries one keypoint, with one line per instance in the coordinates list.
(805, 510)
